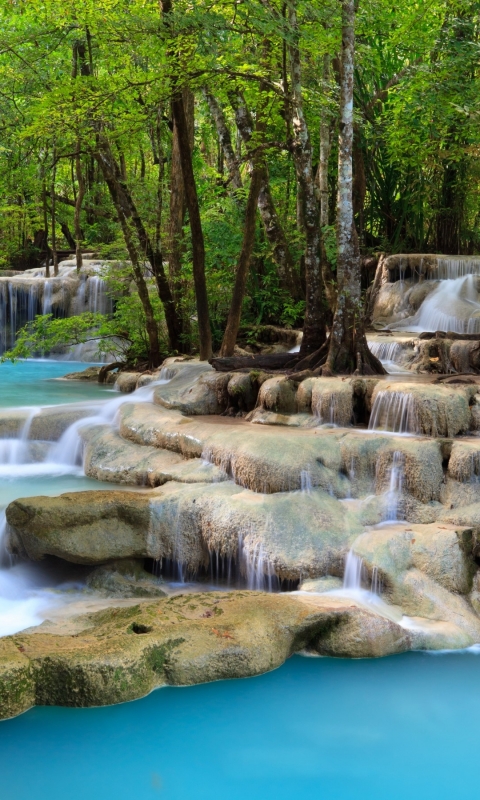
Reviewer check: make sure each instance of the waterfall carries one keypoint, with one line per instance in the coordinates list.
(389, 354)
(98, 300)
(394, 411)
(306, 481)
(15, 451)
(256, 567)
(354, 571)
(355, 574)
(393, 495)
(452, 306)
(47, 298)
(25, 296)
(452, 268)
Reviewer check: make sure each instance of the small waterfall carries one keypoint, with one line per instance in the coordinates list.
(394, 411)
(389, 354)
(452, 306)
(15, 451)
(98, 300)
(452, 268)
(355, 574)
(394, 493)
(69, 448)
(47, 298)
(386, 351)
(256, 567)
(354, 571)
(326, 409)
(305, 481)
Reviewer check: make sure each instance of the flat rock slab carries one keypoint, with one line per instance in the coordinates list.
(123, 653)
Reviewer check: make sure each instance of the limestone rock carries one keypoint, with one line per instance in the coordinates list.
(124, 579)
(123, 653)
(108, 457)
(433, 410)
(290, 535)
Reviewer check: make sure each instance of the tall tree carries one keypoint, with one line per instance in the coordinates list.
(348, 349)
(314, 327)
(191, 197)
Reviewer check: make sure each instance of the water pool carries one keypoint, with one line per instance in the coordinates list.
(30, 383)
(330, 729)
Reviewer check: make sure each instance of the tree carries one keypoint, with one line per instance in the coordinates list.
(348, 349)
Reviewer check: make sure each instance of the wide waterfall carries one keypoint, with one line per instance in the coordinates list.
(26, 295)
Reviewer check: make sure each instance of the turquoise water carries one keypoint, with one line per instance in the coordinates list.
(400, 728)
(30, 383)
(324, 729)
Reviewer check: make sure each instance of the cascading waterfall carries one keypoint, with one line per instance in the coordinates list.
(355, 576)
(305, 481)
(394, 492)
(23, 297)
(47, 297)
(452, 306)
(389, 354)
(15, 451)
(394, 411)
(354, 572)
(452, 268)
(25, 595)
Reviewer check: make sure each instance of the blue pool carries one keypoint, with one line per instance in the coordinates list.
(32, 383)
(400, 728)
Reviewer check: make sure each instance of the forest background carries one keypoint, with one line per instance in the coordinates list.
(239, 163)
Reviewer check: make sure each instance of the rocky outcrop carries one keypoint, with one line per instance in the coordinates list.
(287, 535)
(120, 654)
(108, 457)
(428, 409)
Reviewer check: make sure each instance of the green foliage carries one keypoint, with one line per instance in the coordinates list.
(417, 140)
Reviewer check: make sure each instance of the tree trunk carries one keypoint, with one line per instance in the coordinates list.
(224, 138)
(266, 206)
(54, 216)
(177, 215)
(191, 197)
(314, 329)
(348, 349)
(109, 167)
(45, 224)
(78, 207)
(325, 146)
(124, 214)
(198, 245)
(235, 313)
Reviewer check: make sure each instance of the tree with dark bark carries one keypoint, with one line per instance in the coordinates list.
(273, 227)
(191, 198)
(314, 327)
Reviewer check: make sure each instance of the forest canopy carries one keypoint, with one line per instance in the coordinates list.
(239, 162)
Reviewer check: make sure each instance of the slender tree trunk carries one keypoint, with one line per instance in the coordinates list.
(348, 349)
(198, 245)
(109, 167)
(177, 217)
(225, 139)
(53, 215)
(266, 206)
(78, 207)
(325, 146)
(124, 217)
(191, 197)
(243, 266)
(314, 329)
(45, 225)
